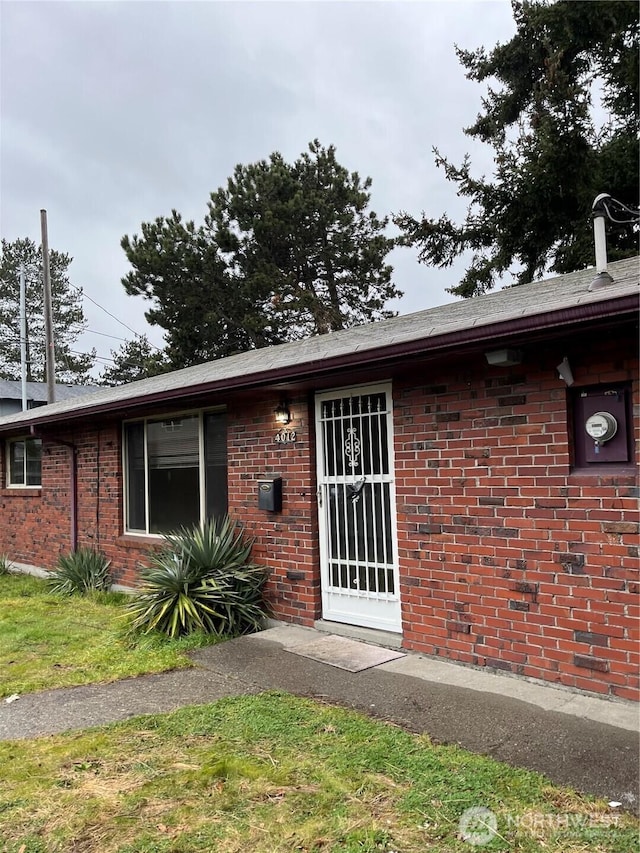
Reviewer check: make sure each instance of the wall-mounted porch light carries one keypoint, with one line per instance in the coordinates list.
(282, 413)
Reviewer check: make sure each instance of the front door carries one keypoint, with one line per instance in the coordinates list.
(356, 496)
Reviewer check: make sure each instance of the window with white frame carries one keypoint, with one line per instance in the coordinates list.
(24, 462)
(175, 471)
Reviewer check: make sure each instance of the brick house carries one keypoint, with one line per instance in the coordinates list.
(462, 478)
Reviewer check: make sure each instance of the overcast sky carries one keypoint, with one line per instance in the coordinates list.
(114, 113)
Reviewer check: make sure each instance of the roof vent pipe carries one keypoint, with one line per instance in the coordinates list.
(599, 212)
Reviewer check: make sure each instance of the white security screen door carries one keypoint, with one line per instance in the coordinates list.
(356, 497)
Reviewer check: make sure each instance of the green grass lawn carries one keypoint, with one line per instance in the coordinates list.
(266, 774)
(273, 774)
(49, 640)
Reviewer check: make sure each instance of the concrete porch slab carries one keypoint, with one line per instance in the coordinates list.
(344, 653)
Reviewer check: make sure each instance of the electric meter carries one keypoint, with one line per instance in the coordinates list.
(601, 427)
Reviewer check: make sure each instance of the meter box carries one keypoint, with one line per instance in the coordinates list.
(601, 425)
(270, 494)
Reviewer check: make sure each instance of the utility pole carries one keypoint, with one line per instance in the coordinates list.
(50, 360)
(23, 338)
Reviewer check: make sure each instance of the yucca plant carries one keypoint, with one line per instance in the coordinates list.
(217, 544)
(201, 580)
(83, 570)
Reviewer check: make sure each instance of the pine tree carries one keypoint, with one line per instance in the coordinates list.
(177, 267)
(134, 360)
(303, 243)
(285, 251)
(553, 151)
(68, 316)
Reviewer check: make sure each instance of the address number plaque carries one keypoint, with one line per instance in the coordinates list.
(285, 436)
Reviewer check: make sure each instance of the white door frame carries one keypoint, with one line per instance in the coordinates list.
(358, 530)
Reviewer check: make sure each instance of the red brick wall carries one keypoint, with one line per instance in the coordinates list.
(35, 526)
(508, 559)
(287, 542)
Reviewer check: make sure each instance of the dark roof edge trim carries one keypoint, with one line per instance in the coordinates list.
(438, 343)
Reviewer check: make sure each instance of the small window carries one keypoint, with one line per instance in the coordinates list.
(24, 467)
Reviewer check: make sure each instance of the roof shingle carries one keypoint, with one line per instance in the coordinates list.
(429, 328)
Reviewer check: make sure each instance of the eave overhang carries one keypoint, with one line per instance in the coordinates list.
(431, 344)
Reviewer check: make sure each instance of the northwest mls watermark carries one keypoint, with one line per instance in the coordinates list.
(478, 825)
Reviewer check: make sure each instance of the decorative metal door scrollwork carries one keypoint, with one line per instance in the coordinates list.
(352, 447)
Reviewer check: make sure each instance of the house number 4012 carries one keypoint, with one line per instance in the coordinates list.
(285, 436)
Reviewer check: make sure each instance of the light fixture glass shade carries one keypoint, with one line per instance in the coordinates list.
(282, 413)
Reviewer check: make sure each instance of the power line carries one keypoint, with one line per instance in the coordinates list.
(83, 294)
(104, 334)
(612, 205)
(17, 339)
(102, 308)
(113, 316)
(99, 357)
(105, 359)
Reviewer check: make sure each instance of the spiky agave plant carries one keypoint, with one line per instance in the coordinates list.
(201, 580)
(215, 545)
(83, 570)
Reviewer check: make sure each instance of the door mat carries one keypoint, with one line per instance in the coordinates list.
(346, 654)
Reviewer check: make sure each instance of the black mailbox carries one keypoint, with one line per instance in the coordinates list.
(270, 494)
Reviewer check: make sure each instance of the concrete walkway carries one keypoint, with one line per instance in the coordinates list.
(588, 743)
